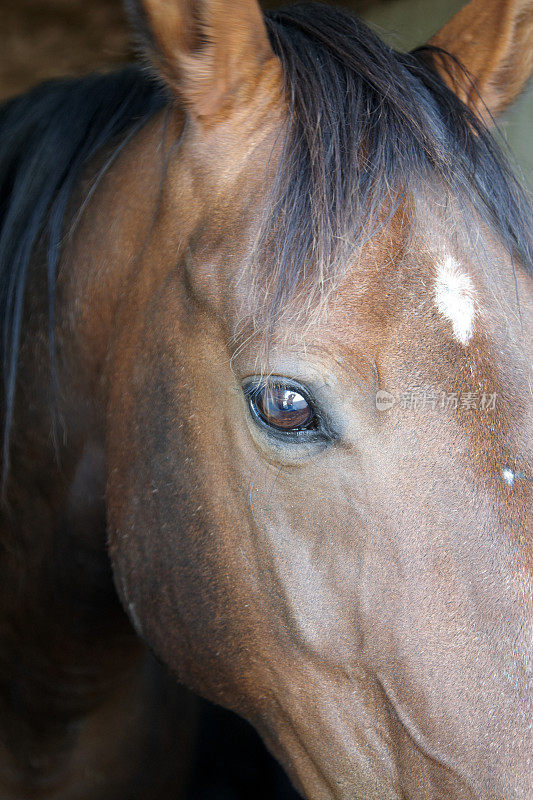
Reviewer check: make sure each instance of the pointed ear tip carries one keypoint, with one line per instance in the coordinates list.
(209, 52)
(495, 56)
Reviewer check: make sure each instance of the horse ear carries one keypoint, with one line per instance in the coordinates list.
(210, 52)
(493, 41)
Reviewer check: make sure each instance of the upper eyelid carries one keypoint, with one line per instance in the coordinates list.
(257, 384)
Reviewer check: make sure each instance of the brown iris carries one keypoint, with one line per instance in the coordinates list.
(283, 407)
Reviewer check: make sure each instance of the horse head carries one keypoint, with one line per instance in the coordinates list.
(300, 302)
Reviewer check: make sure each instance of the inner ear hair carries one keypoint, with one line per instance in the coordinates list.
(493, 41)
(207, 51)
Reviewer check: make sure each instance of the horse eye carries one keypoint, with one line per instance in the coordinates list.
(283, 406)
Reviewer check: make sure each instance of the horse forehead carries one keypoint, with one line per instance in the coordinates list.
(382, 287)
(443, 300)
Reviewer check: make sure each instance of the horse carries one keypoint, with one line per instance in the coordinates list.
(266, 306)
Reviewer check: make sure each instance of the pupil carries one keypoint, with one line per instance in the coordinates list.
(285, 408)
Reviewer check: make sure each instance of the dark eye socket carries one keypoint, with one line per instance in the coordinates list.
(282, 406)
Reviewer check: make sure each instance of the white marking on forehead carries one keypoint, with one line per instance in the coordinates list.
(455, 298)
(508, 476)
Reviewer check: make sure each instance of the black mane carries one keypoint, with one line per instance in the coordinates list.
(350, 95)
(47, 136)
(369, 126)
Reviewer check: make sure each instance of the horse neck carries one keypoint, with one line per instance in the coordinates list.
(65, 641)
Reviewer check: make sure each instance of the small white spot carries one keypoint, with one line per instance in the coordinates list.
(455, 298)
(508, 476)
(135, 618)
